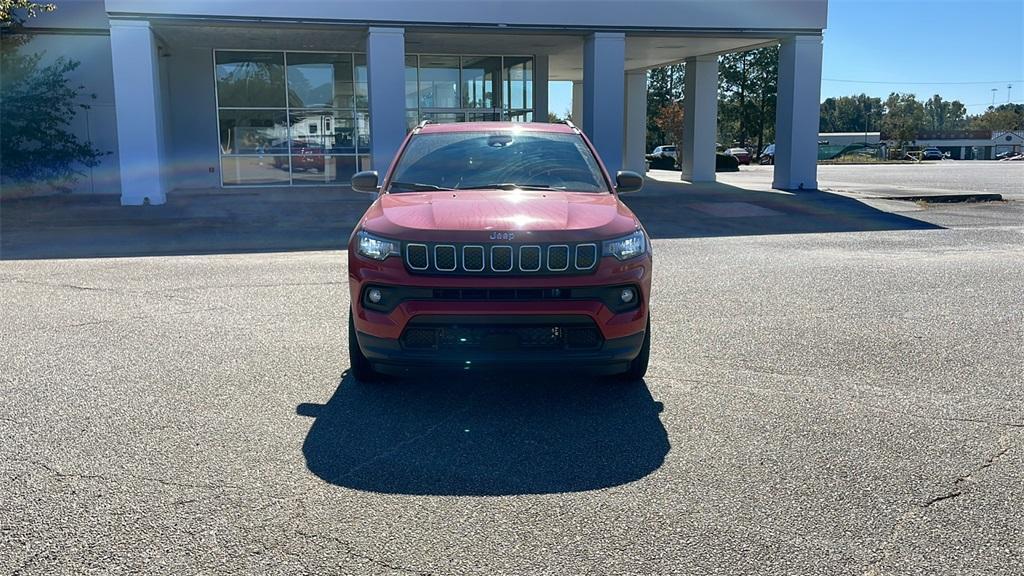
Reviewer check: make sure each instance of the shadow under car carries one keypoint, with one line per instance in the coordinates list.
(487, 435)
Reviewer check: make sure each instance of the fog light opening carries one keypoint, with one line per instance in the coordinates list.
(374, 295)
(627, 295)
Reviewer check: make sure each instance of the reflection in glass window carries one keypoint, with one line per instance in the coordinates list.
(468, 88)
(319, 169)
(291, 117)
(332, 130)
(362, 83)
(255, 170)
(250, 79)
(480, 81)
(252, 131)
(320, 80)
(519, 82)
(439, 81)
(411, 81)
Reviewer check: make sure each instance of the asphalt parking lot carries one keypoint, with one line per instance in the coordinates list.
(836, 402)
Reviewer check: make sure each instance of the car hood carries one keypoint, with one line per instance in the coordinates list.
(474, 215)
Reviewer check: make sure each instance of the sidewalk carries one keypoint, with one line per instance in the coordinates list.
(286, 219)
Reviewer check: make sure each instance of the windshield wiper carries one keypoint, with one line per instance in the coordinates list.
(418, 187)
(514, 186)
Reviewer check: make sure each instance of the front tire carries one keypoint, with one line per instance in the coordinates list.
(638, 367)
(360, 366)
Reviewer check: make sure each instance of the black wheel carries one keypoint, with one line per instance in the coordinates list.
(638, 367)
(361, 368)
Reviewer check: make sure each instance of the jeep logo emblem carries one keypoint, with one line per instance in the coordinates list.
(506, 236)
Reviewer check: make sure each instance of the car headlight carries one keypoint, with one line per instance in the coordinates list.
(626, 247)
(376, 247)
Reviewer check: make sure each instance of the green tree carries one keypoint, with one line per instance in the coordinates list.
(670, 122)
(15, 12)
(664, 86)
(748, 86)
(945, 115)
(860, 113)
(37, 106)
(904, 118)
(1002, 117)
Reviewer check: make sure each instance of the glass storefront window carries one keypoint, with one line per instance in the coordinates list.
(481, 79)
(320, 80)
(468, 88)
(252, 131)
(411, 81)
(439, 82)
(518, 82)
(291, 117)
(261, 170)
(250, 79)
(362, 83)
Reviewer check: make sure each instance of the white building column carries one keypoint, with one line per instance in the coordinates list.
(139, 112)
(635, 144)
(604, 68)
(798, 113)
(577, 102)
(696, 153)
(385, 70)
(540, 88)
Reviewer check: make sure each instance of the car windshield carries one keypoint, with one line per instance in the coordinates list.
(499, 159)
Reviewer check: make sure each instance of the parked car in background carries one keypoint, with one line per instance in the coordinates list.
(767, 155)
(665, 152)
(741, 154)
(304, 156)
(932, 154)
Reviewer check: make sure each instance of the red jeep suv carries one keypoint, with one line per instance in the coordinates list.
(498, 245)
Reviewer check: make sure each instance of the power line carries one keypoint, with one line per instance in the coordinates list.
(915, 83)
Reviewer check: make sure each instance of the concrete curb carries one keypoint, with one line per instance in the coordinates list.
(945, 198)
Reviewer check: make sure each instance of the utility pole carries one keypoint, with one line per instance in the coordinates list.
(994, 90)
(1008, 88)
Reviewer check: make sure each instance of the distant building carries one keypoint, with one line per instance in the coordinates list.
(848, 138)
(969, 144)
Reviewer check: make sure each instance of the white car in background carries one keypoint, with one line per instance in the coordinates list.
(665, 152)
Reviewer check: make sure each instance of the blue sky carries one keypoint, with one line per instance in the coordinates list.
(960, 49)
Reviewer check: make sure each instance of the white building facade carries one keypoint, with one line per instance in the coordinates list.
(220, 93)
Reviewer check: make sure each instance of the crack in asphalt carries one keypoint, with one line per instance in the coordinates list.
(63, 285)
(851, 400)
(104, 477)
(918, 511)
(944, 418)
(959, 484)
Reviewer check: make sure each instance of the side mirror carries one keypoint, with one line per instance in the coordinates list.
(366, 182)
(627, 181)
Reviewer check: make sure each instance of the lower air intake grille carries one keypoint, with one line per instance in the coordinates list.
(497, 338)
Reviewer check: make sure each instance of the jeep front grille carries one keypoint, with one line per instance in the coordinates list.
(501, 259)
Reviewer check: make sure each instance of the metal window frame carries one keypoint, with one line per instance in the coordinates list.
(291, 182)
(502, 108)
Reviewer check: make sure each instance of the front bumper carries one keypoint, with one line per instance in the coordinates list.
(391, 324)
(395, 357)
